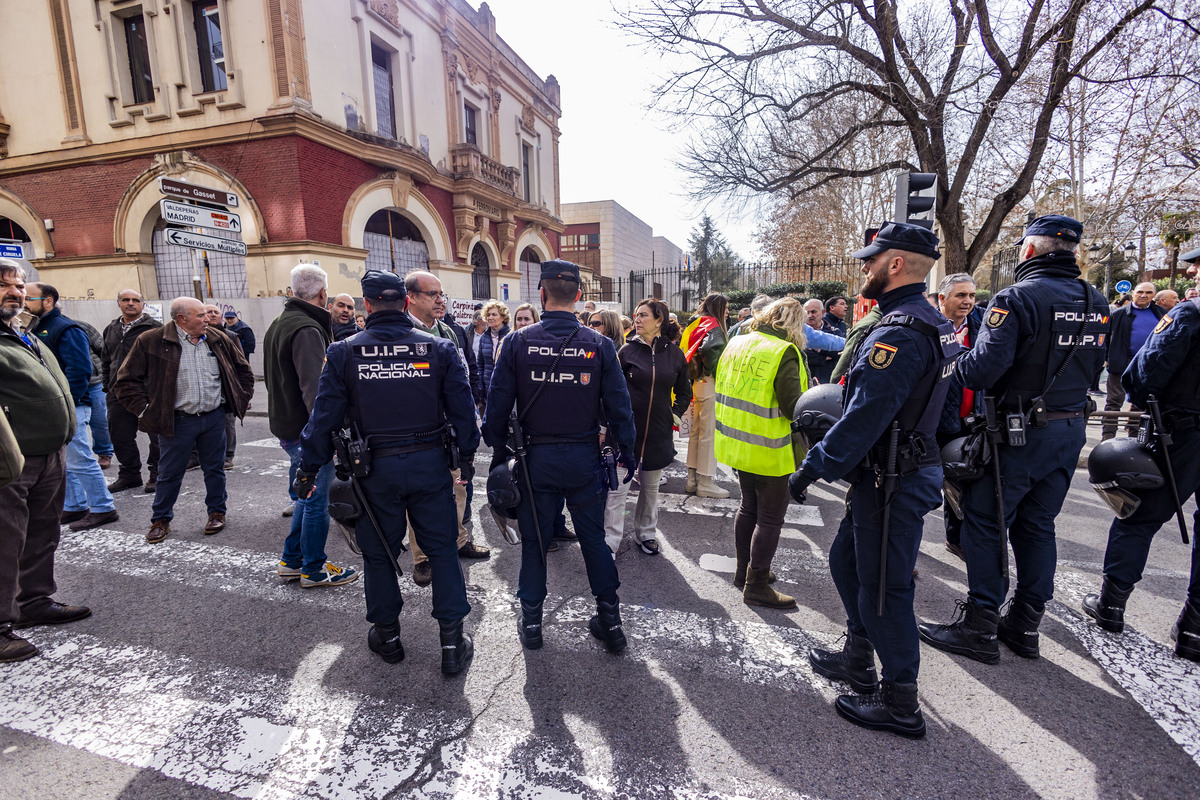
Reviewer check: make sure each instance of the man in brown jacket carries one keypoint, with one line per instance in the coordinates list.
(179, 380)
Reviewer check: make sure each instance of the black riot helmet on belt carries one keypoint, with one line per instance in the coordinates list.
(816, 411)
(345, 510)
(964, 458)
(1118, 469)
(503, 497)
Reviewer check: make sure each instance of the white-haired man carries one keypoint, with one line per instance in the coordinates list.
(179, 380)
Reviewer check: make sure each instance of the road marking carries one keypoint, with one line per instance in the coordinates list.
(268, 442)
(712, 507)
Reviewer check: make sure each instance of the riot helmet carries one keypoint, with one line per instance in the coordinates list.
(816, 411)
(345, 510)
(503, 497)
(963, 458)
(1119, 469)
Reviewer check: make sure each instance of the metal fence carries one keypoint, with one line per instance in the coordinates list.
(682, 289)
(1004, 268)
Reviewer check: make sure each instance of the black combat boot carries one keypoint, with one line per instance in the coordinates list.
(605, 625)
(892, 707)
(1108, 607)
(1186, 633)
(971, 634)
(385, 640)
(457, 647)
(1018, 628)
(529, 625)
(854, 664)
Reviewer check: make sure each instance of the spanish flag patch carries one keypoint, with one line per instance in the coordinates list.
(882, 355)
(1163, 323)
(996, 317)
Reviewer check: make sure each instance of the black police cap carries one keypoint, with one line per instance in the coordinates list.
(1056, 225)
(1191, 257)
(902, 236)
(560, 270)
(379, 285)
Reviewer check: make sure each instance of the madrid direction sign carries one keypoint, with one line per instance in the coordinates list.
(192, 191)
(199, 217)
(198, 241)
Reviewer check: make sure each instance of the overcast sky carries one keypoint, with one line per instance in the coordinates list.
(611, 148)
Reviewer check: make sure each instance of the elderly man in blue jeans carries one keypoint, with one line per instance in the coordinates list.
(293, 356)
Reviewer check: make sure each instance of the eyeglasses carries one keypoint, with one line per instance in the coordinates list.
(596, 323)
(432, 295)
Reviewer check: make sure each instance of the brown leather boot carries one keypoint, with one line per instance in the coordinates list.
(758, 591)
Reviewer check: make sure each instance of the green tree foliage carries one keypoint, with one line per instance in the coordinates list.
(714, 264)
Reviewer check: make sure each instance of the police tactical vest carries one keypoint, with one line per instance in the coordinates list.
(1030, 375)
(395, 388)
(752, 433)
(569, 402)
(1182, 392)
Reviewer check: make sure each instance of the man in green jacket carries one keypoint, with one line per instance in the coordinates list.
(36, 399)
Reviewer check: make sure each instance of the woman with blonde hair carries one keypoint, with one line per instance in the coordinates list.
(702, 345)
(759, 379)
(524, 316)
(495, 314)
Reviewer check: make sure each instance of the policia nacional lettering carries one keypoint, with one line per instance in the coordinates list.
(391, 361)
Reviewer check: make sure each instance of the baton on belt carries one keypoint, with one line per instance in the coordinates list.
(994, 435)
(517, 437)
(1163, 440)
(342, 466)
(889, 482)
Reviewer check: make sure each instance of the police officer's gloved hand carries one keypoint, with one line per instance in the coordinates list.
(630, 462)
(304, 484)
(499, 456)
(798, 486)
(466, 466)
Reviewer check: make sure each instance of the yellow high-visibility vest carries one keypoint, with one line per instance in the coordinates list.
(753, 434)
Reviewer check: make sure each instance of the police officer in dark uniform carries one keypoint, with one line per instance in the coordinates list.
(893, 398)
(1168, 367)
(399, 388)
(562, 379)
(1041, 345)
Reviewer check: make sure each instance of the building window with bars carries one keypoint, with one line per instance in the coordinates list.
(527, 172)
(531, 273)
(176, 269)
(385, 99)
(138, 49)
(481, 273)
(470, 124)
(394, 244)
(210, 46)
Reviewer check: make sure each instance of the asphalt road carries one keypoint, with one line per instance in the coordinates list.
(203, 675)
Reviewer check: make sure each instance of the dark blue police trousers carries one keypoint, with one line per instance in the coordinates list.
(564, 471)
(1036, 478)
(416, 487)
(1129, 539)
(854, 565)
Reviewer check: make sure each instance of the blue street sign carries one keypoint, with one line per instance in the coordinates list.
(1124, 286)
(11, 251)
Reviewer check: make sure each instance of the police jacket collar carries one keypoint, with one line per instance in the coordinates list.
(892, 298)
(390, 319)
(1059, 264)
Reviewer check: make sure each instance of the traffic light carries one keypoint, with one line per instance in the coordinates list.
(916, 196)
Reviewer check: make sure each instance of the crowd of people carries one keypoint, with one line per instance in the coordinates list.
(783, 395)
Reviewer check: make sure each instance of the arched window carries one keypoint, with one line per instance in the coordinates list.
(394, 244)
(221, 275)
(481, 275)
(531, 271)
(12, 233)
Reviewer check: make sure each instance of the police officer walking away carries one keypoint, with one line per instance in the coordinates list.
(1040, 347)
(369, 377)
(884, 445)
(562, 377)
(1168, 367)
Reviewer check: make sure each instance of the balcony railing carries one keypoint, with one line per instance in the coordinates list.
(467, 162)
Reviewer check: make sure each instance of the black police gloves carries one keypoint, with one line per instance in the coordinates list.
(797, 486)
(304, 484)
(466, 467)
(499, 456)
(630, 462)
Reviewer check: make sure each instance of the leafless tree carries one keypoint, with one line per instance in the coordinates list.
(976, 89)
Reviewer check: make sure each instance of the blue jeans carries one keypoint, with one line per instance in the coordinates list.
(305, 543)
(1129, 539)
(101, 442)
(1036, 478)
(416, 486)
(85, 480)
(854, 565)
(205, 434)
(561, 472)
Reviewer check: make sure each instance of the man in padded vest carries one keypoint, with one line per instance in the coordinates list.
(400, 388)
(893, 399)
(1041, 345)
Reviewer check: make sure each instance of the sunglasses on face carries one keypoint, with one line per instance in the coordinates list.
(596, 323)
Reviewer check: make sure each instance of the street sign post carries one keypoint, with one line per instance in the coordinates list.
(199, 241)
(191, 191)
(11, 251)
(199, 217)
(1123, 286)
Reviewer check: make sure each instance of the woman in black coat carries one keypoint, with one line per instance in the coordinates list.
(653, 367)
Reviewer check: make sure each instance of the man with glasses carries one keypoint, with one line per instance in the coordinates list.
(426, 307)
